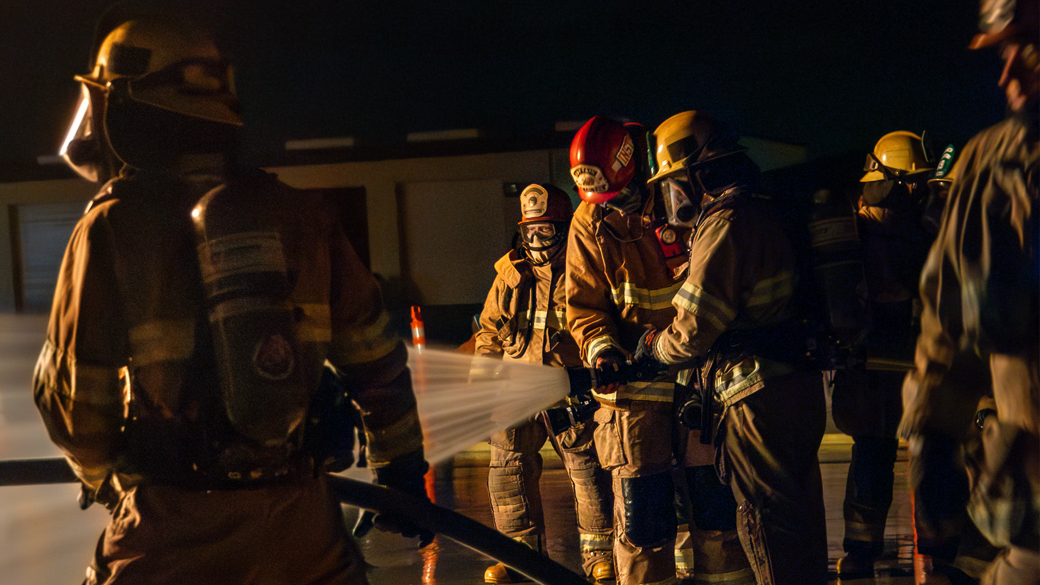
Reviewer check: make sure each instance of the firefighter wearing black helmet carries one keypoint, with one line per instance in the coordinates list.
(524, 318)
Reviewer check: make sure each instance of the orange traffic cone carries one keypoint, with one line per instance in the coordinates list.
(418, 328)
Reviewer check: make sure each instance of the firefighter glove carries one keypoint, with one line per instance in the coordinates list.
(405, 474)
(645, 364)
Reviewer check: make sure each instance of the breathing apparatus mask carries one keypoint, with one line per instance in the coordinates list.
(546, 212)
(680, 210)
(893, 190)
(85, 148)
(542, 240)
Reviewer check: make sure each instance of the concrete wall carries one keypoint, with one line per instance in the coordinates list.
(470, 186)
(435, 224)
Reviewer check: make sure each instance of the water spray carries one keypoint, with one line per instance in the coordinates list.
(463, 399)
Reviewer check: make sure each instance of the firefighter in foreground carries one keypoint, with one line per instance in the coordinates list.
(524, 318)
(195, 308)
(979, 290)
(867, 404)
(731, 316)
(624, 264)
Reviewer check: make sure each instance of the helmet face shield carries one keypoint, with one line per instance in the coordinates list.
(85, 149)
(877, 170)
(680, 209)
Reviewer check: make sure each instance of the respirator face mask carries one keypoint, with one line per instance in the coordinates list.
(540, 239)
(678, 203)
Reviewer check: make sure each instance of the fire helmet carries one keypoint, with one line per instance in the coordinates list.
(603, 159)
(897, 154)
(546, 213)
(1000, 20)
(544, 202)
(168, 63)
(159, 86)
(691, 139)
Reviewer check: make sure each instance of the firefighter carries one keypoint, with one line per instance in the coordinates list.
(867, 404)
(207, 478)
(524, 318)
(732, 321)
(625, 262)
(979, 290)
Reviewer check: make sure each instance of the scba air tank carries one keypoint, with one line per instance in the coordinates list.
(244, 272)
(839, 273)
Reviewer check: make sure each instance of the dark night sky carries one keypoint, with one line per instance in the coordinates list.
(832, 75)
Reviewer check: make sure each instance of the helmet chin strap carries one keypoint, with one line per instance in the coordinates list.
(628, 200)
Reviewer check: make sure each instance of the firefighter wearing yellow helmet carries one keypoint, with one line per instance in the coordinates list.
(625, 261)
(198, 308)
(892, 227)
(735, 302)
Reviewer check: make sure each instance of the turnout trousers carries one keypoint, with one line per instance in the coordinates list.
(768, 454)
(513, 483)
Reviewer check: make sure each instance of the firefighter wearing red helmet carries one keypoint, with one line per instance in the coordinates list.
(524, 318)
(734, 323)
(625, 262)
(980, 291)
(199, 308)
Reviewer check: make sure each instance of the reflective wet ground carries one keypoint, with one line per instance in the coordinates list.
(463, 487)
(46, 539)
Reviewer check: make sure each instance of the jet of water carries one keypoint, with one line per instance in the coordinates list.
(463, 399)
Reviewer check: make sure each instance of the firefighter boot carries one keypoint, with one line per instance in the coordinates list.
(599, 566)
(499, 573)
(859, 558)
(856, 565)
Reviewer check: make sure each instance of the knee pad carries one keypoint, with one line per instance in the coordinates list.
(510, 502)
(649, 509)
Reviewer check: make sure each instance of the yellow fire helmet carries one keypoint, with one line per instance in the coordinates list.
(690, 139)
(169, 64)
(901, 153)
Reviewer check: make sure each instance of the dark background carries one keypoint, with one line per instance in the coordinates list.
(831, 75)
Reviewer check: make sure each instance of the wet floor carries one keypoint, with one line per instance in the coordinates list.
(46, 539)
(463, 487)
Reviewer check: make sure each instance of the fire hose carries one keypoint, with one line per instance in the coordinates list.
(451, 524)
